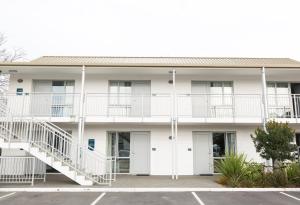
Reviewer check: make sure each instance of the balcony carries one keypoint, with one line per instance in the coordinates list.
(154, 108)
(219, 108)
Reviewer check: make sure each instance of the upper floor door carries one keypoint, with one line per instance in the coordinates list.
(53, 98)
(129, 98)
(212, 99)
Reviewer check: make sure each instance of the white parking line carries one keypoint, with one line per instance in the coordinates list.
(98, 199)
(7, 195)
(198, 199)
(293, 197)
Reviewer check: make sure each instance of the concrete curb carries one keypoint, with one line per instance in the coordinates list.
(65, 189)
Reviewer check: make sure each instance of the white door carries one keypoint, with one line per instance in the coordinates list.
(140, 153)
(140, 101)
(202, 146)
(41, 103)
(200, 99)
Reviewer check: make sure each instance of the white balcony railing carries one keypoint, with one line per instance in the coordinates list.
(42, 104)
(126, 105)
(206, 106)
(219, 106)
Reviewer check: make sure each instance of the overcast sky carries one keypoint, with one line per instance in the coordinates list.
(230, 28)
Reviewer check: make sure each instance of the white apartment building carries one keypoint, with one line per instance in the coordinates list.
(148, 115)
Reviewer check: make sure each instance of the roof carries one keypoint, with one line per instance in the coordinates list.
(102, 61)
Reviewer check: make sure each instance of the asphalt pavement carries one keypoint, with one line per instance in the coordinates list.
(150, 198)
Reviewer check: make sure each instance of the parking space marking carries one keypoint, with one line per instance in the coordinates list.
(7, 195)
(198, 199)
(98, 199)
(293, 197)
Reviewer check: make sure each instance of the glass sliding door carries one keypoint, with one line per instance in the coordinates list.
(212, 99)
(53, 98)
(223, 142)
(279, 99)
(62, 98)
(118, 146)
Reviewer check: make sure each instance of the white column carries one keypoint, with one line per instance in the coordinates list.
(265, 99)
(265, 108)
(174, 127)
(81, 108)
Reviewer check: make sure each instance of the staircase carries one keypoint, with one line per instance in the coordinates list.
(55, 147)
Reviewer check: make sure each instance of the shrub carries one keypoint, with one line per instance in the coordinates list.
(293, 173)
(277, 178)
(233, 168)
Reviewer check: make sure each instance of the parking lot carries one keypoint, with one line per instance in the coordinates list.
(155, 198)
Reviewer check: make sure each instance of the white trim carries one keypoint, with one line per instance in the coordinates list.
(87, 189)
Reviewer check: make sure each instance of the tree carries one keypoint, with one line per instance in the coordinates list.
(276, 143)
(9, 55)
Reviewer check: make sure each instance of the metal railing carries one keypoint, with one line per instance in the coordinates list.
(219, 106)
(151, 105)
(284, 106)
(127, 105)
(21, 169)
(58, 144)
(42, 104)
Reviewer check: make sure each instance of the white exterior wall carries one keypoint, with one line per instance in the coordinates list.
(161, 159)
(96, 83)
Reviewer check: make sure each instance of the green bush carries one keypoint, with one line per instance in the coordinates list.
(237, 172)
(293, 173)
(233, 168)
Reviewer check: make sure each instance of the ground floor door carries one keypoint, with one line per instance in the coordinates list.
(202, 153)
(209, 148)
(140, 153)
(132, 151)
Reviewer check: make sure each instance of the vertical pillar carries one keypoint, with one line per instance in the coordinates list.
(265, 106)
(264, 95)
(174, 127)
(81, 118)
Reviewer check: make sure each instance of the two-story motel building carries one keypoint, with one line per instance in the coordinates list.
(158, 115)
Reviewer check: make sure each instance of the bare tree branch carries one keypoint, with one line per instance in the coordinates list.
(10, 55)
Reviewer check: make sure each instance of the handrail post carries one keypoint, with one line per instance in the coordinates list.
(10, 132)
(33, 169)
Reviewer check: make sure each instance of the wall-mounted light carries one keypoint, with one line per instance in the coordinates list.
(20, 80)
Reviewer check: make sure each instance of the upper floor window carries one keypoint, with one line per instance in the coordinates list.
(120, 92)
(278, 93)
(218, 92)
(221, 93)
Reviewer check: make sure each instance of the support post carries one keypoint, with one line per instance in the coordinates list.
(174, 127)
(265, 106)
(81, 114)
(265, 99)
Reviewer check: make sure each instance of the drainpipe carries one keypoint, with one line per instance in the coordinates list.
(81, 113)
(174, 127)
(265, 99)
(265, 107)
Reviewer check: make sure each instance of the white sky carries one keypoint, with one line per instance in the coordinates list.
(234, 28)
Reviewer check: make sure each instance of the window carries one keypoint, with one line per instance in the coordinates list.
(120, 92)
(91, 144)
(221, 93)
(278, 99)
(62, 99)
(223, 142)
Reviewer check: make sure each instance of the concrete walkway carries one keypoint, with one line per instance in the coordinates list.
(129, 181)
(166, 181)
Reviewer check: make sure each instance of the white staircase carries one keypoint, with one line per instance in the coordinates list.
(55, 147)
